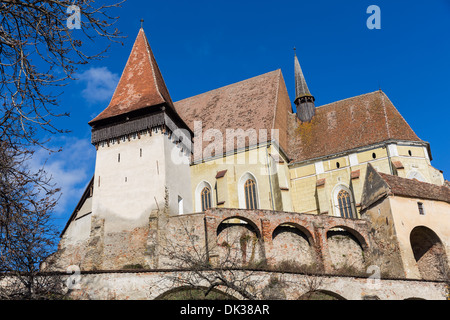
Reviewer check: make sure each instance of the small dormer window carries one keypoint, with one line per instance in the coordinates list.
(421, 209)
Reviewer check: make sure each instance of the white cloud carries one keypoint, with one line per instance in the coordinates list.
(70, 169)
(100, 84)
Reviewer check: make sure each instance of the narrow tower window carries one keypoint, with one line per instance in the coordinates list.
(180, 205)
(421, 209)
(118, 157)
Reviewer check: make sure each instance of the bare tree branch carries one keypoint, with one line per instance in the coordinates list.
(39, 55)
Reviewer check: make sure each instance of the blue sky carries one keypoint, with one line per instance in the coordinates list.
(203, 45)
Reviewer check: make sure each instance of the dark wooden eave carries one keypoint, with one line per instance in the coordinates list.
(86, 195)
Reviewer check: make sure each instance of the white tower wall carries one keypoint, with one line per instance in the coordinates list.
(126, 190)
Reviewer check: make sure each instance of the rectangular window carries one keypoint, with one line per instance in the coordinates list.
(180, 205)
(421, 209)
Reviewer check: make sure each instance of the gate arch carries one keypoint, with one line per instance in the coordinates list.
(429, 253)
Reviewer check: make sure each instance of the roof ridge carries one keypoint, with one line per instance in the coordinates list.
(342, 100)
(407, 179)
(386, 120)
(439, 192)
(395, 108)
(277, 89)
(120, 78)
(229, 85)
(150, 53)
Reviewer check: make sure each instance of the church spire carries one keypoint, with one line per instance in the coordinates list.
(141, 85)
(303, 98)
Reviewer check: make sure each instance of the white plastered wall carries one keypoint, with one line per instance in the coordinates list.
(126, 192)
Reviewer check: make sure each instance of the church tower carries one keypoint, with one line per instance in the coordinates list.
(303, 98)
(143, 151)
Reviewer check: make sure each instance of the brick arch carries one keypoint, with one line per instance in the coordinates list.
(193, 293)
(345, 249)
(429, 253)
(292, 246)
(360, 235)
(243, 218)
(239, 243)
(302, 228)
(321, 295)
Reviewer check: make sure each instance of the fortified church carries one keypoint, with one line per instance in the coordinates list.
(346, 185)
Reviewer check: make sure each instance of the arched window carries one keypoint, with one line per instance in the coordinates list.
(206, 198)
(203, 196)
(250, 194)
(345, 204)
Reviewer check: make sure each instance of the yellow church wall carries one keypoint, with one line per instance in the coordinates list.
(308, 197)
(416, 167)
(303, 171)
(367, 156)
(252, 161)
(283, 177)
(303, 195)
(333, 164)
(296, 188)
(381, 165)
(415, 151)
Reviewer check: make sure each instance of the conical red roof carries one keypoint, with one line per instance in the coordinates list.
(141, 84)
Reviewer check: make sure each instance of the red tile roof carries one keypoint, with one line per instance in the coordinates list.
(141, 84)
(355, 174)
(221, 174)
(344, 125)
(398, 164)
(321, 182)
(416, 189)
(257, 103)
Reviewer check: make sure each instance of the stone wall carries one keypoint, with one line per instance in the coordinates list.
(152, 285)
(293, 246)
(252, 237)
